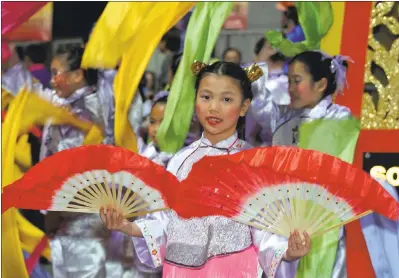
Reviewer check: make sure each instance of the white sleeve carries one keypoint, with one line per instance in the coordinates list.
(263, 109)
(136, 113)
(271, 249)
(150, 249)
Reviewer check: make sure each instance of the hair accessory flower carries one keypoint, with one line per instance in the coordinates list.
(338, 68)
(197, 66)
(254, 72)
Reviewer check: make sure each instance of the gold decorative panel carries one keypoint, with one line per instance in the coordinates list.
(380, 104)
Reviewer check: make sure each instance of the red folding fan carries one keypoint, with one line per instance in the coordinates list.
(279, 189)
(84, 179)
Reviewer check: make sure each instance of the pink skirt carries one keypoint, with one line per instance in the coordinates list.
(239, 265)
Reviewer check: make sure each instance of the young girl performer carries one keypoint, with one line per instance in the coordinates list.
(273, 66)
(78, 244)
(211, 246)
(313, 79)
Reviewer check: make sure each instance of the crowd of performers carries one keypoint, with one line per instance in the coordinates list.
(290, 92)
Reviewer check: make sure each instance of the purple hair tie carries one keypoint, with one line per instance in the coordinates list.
(159, 96)
(337, 66)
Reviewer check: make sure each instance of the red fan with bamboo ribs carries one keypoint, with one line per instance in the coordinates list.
(280, 189)
(86, 178)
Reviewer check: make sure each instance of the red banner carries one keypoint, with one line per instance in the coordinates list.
(5, 52)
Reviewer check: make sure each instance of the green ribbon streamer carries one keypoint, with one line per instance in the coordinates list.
(202, 33)
(315, 18)
(337, 138)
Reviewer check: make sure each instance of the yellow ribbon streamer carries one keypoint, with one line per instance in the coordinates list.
(26, 110)
(129, 31)
(331, 42)
(6, 99)
(12, 258)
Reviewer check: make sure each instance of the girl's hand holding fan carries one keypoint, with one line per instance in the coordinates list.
(297, 246)
(113, 220)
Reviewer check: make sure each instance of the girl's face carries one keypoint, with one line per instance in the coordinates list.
(304, 92)
(218, 106)
(64, 81)
(156, 118)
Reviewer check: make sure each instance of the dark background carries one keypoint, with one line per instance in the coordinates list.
(75, 19)
(387, 160)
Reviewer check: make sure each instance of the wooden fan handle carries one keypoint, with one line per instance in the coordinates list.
(342, 223)
(143, 212)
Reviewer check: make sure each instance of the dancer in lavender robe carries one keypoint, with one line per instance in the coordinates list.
(211, 246)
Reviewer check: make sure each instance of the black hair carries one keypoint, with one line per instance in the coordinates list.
(232, 49)
(20, 52)
(141, 86)
(74, 57)
(37, 53)
(237, 73)
(319, 67)
(174, 65)
(278, 57)
(275, 57)
(172, 39)
(292, 14)
(259, 45)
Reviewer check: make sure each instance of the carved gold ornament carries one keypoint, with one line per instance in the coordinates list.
(380, 107)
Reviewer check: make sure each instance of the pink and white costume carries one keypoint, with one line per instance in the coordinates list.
(212, 246)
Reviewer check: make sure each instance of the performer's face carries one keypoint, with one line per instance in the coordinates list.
(63, 80)
(156, 118)
(304, 92)
(219, 104)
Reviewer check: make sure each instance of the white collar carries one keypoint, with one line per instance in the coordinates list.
(224, 144)
(78, 94)
(319, 110)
